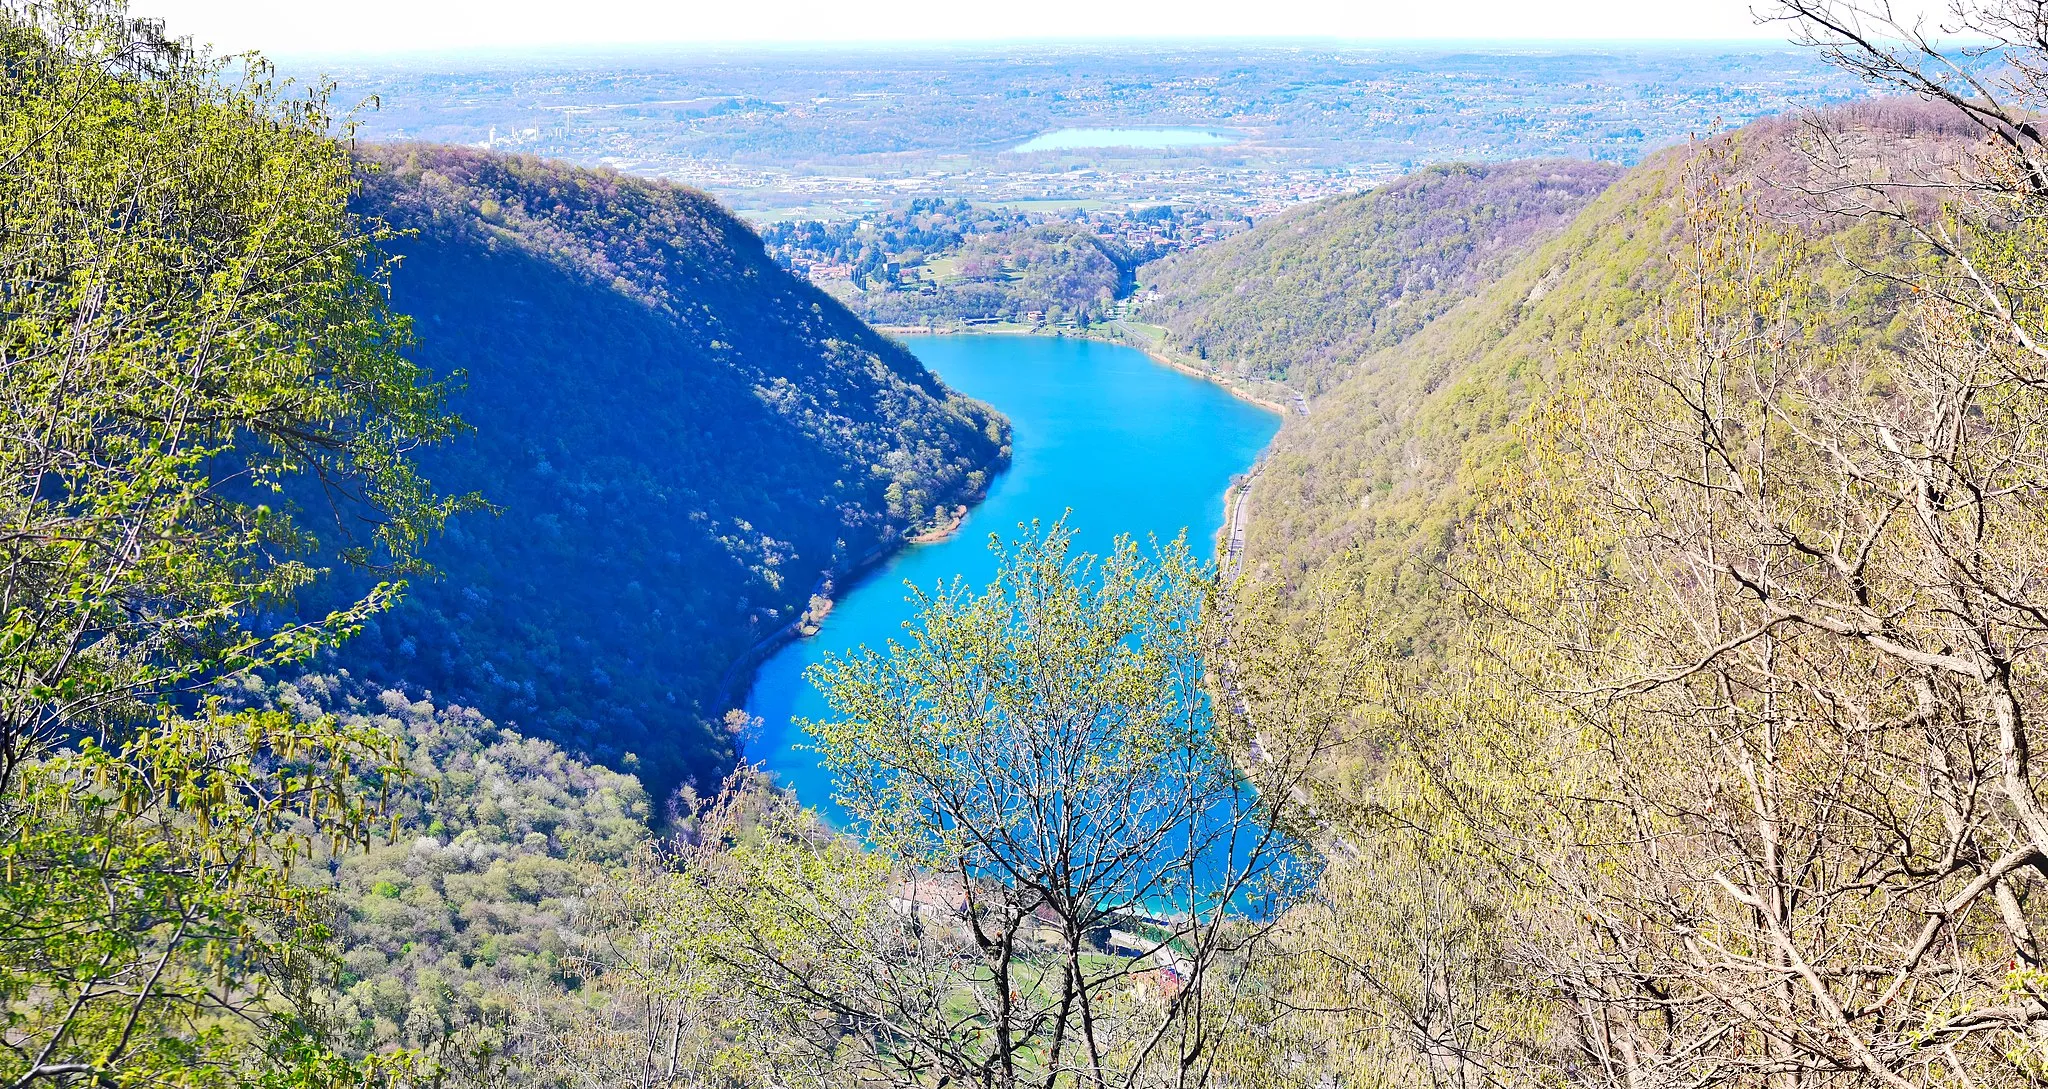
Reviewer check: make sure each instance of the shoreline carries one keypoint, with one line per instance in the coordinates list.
(1231, 539)
(737, 683)
(739, 678)
(1128, 341)
(1234, 389)
(939, 533)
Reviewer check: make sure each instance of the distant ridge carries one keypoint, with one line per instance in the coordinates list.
(1304, 296)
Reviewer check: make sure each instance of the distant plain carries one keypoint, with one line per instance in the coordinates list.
(824, 133)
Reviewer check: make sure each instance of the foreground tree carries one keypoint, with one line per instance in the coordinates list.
(193, 334)
(1046, 758)
(193, 321)
(1729, 776)
(151, 931)
(1075, 863)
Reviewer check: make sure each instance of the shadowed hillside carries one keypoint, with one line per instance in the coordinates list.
(684, 440)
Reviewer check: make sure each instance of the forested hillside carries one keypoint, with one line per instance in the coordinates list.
(1059, 270)
(1633, 685)
(682, 440)
(1404, 453)
(1693, 568)
(1304, 296)
(464, 915)
(947, 262)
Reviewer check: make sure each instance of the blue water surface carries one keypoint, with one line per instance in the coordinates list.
(1129, 446)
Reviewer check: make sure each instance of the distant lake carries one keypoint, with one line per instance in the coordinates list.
(1070, 139)
(1129, 445)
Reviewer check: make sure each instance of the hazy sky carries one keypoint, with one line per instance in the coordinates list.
(356, 26)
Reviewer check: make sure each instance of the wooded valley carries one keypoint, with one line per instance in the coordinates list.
(1630, 679)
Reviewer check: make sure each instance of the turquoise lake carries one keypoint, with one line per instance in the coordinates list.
(1102, 434)
(1070, 139)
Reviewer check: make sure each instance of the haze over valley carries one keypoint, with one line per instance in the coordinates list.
(811, 132)
(931, 185)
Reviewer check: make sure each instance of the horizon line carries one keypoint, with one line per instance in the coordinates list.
(684, 49)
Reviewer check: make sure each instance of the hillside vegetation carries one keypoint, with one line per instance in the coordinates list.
(1060, 270)
(683, 440)
(463, 911)
(1694, 569)
(1375, 487)
(1306, 295)
(1634, 685)
(947, 262)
